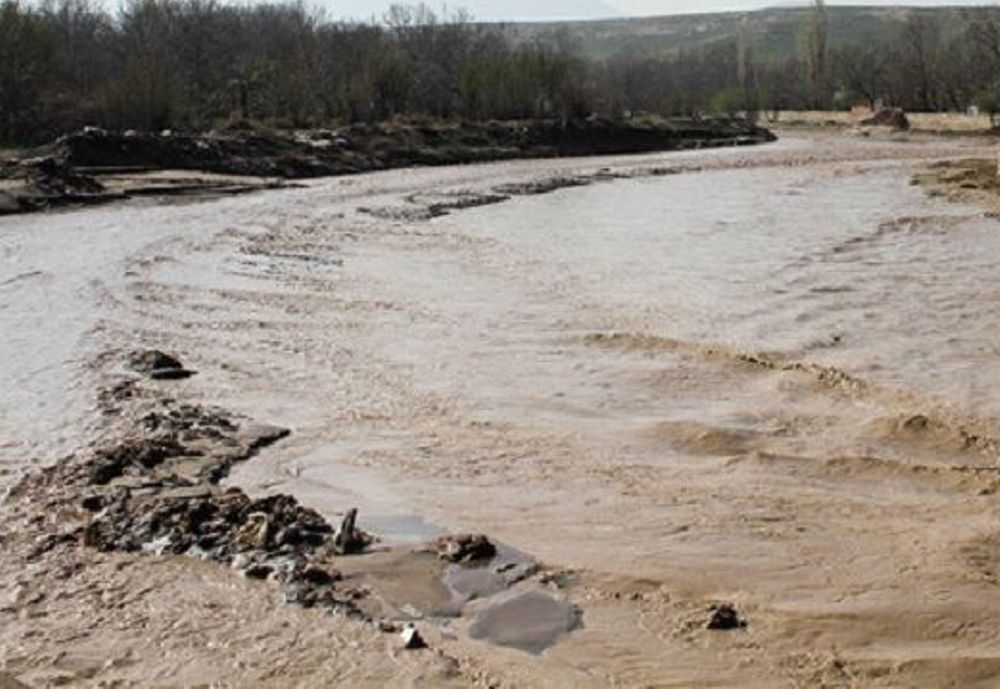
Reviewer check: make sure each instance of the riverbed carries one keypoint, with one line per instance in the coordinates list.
(762, 376)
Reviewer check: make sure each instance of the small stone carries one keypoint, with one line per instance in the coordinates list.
(93, 503)
(725, 618)
(258, 571)
(465, 548)
(319, 576)
(170, 373)
(412, 639)
(255, 534)
(149, 360)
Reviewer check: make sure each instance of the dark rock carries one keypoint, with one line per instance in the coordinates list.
(92, 503)
(412, 640)
(258, 571)
(138, 453)
(349, 539)
(171, 374)
(149, 360)
(466, 548)
(318, 576)
(725, 618)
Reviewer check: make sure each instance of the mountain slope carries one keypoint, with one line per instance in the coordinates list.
(490, 10)
(774, 33)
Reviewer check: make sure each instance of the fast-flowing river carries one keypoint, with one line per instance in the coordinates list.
(764, 376)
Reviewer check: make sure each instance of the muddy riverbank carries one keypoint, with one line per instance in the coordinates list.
(150, 488)
(746, 389)
(96, 166)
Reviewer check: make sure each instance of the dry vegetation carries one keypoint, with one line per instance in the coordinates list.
(937, 123)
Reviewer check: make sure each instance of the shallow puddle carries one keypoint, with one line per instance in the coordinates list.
(532, 621)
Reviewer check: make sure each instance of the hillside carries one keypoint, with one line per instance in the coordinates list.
(773, 32)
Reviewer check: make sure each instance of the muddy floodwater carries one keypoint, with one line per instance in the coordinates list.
(768, 377)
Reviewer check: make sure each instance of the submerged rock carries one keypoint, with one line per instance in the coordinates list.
(158, 365)
(725, 618)
(149, 360)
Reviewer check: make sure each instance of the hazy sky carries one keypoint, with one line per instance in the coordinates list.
(511, 10)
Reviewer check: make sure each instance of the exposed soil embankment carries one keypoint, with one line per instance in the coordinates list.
(88, 166)
(974, 180)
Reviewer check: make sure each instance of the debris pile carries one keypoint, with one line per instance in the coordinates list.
(156, 489)
(894, 118)
(37, 183)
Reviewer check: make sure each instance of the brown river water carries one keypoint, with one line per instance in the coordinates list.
(767, 376)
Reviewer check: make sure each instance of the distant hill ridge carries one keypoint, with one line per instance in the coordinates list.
(774, 32)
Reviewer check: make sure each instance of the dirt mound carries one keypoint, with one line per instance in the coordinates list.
(70, 169)
(38, 183)
(889, 117)
(244, 153)
(363, 147)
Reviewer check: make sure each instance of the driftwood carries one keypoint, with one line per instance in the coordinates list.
(349, 538)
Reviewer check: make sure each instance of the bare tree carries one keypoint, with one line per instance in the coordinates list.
(920, 47)
(862, 70)
(815, 45)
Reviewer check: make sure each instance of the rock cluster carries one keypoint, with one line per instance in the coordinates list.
(157, 490)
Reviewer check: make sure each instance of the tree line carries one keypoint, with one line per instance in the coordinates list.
(198, 64)
(193, 64)
(927, 64)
